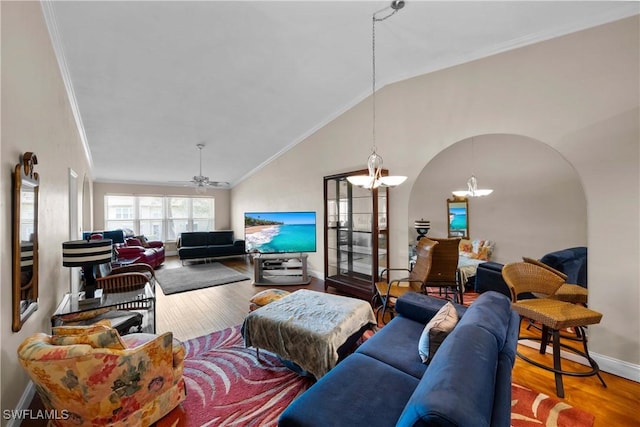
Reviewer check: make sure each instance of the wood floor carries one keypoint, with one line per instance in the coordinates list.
(196, 313)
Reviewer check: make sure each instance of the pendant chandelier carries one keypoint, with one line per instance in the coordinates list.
(374, 163)
(472, 183)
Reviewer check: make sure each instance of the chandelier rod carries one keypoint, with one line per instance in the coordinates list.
(396, 5)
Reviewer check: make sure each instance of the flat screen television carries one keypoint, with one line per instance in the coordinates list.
(280, 232)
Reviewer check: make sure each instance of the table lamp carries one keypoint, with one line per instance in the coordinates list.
(422, 227)
(86, 254)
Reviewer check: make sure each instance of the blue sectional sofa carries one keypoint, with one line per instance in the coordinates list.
(384, 383)
(209, 244)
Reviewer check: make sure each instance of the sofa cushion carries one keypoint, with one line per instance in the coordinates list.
(346, 395)
(220, 237)
(403, 334)
(436, 331)
(193, 239)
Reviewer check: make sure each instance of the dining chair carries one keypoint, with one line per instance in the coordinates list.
(387, 292)
(444, 270)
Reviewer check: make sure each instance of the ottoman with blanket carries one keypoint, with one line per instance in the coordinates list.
(385, 383)
(311, 331)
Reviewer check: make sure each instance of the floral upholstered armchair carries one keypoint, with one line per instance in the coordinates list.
(90, 376)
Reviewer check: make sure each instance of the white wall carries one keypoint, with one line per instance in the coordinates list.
(35, 117)
(537, 206)
(579, 94)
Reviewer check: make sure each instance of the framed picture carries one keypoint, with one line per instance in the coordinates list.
(458, 217)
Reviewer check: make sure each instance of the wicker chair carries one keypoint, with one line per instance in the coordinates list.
(389, 291)
(566, 292)
(444, 270)
(553, 314)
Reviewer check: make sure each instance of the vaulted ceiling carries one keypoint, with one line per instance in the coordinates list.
(250, 79)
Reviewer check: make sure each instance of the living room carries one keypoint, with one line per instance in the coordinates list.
(575, 98)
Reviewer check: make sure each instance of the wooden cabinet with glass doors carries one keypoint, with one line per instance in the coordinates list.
(356, 237)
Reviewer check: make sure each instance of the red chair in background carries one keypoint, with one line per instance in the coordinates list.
(147, 252)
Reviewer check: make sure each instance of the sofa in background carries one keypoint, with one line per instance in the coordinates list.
(489, 278)
(147, 251)
(570, 261)
(385, 383)
(209, 244)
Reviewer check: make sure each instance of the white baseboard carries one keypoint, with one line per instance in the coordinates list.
(607, 364)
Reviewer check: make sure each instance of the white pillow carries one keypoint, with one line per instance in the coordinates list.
(436, 331)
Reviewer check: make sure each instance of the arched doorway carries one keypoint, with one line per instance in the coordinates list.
(538, 204)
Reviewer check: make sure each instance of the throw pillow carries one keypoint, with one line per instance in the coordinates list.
(134, 241)
(143, 241)
(436, 331)
(265, 297)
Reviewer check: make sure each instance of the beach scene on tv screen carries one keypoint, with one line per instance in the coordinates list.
(279, 232)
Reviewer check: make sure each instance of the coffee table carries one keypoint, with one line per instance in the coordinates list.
(308, 328)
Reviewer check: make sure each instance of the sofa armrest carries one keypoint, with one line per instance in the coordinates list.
(422, 308)
(239, 243)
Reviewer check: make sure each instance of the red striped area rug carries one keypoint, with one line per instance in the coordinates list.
(228, 386)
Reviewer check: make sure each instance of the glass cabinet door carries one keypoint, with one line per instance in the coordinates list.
(355, 245)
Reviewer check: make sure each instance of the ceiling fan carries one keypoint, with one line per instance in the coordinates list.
(201, 182)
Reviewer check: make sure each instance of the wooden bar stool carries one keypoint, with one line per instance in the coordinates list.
(554, 315)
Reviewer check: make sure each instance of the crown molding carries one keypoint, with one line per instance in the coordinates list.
(56, 41)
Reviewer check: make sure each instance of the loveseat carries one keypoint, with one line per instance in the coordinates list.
(209, 244)
(384, 383)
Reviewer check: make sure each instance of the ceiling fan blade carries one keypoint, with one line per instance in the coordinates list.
(201, 180)
(218, 184)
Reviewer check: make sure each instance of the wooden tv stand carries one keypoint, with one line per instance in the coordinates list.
(280, 269)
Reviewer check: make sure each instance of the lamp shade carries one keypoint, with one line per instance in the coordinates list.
(79, 253)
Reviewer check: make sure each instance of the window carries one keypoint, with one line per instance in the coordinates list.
(159, 217)
(119, 212)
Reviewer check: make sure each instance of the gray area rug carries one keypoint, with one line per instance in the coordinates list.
(188, 278)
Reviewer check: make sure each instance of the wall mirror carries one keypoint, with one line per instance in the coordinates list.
(458, 212)
(25, 240)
